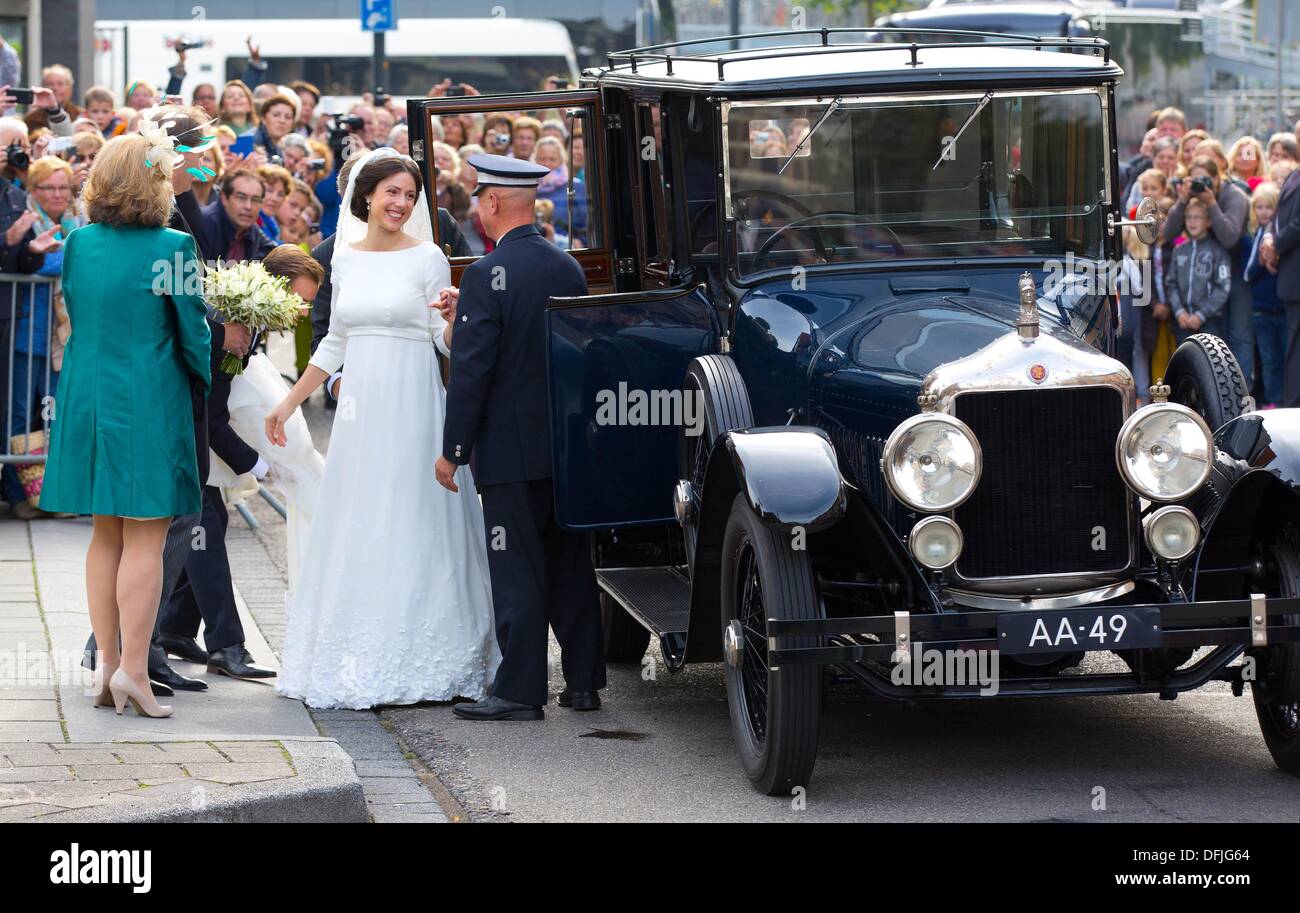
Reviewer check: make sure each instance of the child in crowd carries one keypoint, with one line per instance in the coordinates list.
(1135, 301)
(1199, 277)
(99, 103)
(1153, 183)
(1270, 313)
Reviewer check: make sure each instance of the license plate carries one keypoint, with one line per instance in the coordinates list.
(1078, 629)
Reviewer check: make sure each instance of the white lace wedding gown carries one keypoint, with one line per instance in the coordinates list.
(393, 603)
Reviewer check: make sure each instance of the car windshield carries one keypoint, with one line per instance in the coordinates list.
(986, 174)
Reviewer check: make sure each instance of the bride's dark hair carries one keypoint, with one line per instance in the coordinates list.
(375, 171)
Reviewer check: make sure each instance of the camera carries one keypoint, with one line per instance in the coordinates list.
(339, 126)
(316, 164)
(181, 46)
(455, 91)
(1201, 185)
(380, 98)
(18, 157)
(275, 160)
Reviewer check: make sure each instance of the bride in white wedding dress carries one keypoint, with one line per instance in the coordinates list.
(393, 603)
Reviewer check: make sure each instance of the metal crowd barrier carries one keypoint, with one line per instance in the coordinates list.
(20, 297)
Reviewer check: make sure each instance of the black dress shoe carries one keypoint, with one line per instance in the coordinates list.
(166, 675)
(159, 689)
(235, 662)
(579, 700)
(182, 647)
(497, 708)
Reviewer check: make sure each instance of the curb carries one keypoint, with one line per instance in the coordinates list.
(325, 790)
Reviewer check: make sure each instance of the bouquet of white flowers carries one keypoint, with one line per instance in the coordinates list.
(244, 292)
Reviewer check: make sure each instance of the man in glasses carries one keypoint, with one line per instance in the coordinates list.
(228, 228)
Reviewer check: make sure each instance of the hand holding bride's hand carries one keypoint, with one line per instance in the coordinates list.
(445, 470)
(275, 423)
(446, 303)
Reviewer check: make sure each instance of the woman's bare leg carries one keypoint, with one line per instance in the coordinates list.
(139, 587)
(102, 561)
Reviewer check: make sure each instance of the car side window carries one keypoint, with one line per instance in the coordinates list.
(656, 239)
(553, 137)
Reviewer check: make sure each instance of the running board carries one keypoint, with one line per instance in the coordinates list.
(659, 598)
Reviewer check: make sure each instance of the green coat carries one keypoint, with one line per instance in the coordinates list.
(122, 432)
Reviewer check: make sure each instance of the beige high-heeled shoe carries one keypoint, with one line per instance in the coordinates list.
(104, 697)
(143, 701)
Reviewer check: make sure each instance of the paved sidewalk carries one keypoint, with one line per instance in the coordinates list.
(236, 752)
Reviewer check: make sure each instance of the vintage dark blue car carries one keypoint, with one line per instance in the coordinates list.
(844, 397)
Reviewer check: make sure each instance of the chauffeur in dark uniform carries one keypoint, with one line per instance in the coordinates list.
(497, 414)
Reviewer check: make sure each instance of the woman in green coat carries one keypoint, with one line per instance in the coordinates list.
(122, 431)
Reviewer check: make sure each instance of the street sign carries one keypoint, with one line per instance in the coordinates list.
(378, 16)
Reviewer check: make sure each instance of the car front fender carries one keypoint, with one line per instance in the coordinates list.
(790, 475)
(1265, 440)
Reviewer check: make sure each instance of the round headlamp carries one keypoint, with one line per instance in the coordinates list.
(1172, 532)
(932, 462)
(1165, 452)
(936, 542)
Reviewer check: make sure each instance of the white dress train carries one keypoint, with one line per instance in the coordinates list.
(393, 603)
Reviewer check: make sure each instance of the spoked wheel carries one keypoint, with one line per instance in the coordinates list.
(774, 715)
(1277, 690)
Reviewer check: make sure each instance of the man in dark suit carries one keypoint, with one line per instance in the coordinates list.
(227, 229)
(205, 589)
(497, 413)
(1281, 253)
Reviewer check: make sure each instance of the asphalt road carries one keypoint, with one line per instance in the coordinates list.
(661, 750)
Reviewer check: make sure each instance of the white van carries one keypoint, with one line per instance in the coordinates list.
(492, 54)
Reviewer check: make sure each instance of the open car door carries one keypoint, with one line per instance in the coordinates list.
(615, 367)
(586, 212)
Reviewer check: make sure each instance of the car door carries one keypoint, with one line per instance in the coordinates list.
(615, 366)
(579, 111)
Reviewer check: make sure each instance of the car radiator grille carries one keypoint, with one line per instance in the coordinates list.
(1050, 492)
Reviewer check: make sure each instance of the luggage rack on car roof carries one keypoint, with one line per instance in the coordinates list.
(650, 53)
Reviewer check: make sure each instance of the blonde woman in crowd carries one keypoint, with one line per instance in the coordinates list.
(141, 95)
(1246, 161)
(1187, 148)
(237, 109)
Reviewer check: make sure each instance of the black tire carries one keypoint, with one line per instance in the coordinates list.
(625, 639)
(775, 717)
(1204, 376)
(1277, 690)
(726, 408)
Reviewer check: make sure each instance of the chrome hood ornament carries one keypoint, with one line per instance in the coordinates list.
(1027, 321)
(1026, 360)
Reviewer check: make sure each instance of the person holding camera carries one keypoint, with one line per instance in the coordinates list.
(23, 247)
(1228, 210)
(57, 109)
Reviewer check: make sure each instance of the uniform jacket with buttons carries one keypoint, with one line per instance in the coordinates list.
(496, 402)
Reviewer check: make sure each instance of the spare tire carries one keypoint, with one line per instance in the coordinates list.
(1204, 376)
